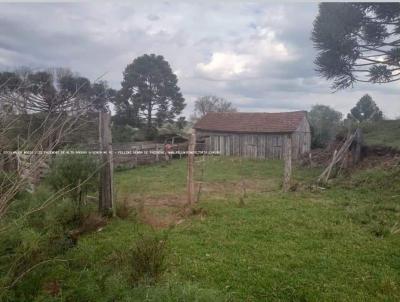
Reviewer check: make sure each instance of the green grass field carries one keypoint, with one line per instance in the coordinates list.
(337, 244)
(382, 133)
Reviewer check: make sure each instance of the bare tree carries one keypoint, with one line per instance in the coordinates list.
(211, 103)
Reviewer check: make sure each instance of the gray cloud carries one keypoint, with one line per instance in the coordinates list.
(256, 54)
(153, 17)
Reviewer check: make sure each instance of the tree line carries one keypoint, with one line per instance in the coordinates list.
(148, 101)
(148, 98)
(325, 121)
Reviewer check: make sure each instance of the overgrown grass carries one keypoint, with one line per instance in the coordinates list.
(298, 246)
(170, 179)
(382, 133)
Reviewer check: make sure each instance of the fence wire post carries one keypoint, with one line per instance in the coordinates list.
(106, 173)
(190, 171)
(288, 163)
(157, 157)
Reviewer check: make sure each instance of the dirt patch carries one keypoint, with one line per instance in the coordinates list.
(159, 220)
(166, 219)
(237, 187)
(168, 210)
(52, 287)
(172, 201)
(157, 211)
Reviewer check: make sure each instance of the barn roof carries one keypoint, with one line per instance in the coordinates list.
(251, 122)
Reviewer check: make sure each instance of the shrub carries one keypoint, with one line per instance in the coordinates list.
(148, 258)
(25, 253)
(77, 173)
(34, 236)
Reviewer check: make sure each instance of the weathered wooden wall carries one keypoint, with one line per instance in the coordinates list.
(301, 139)
(257, 145)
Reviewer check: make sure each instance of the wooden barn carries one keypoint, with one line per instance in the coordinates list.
(254, 135)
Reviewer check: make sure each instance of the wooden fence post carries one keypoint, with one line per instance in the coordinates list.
(157, 155)
(106, 172)
(356, 146)
(190, 171)
(288, 163)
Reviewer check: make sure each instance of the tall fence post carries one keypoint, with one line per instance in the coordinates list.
(288, 163)
(190, 171)
(106, 172)
(356, 146)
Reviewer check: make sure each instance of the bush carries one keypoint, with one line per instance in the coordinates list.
(37, 240)
(26, 252)
(148, 258)
(77, 173)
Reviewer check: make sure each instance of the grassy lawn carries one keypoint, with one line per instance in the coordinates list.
(338, 244)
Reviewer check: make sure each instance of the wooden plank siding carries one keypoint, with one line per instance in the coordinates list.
(257, 145)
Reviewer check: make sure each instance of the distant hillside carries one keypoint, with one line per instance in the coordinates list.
(382, 133)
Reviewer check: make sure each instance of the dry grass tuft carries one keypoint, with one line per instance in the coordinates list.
(123, 210)
(148, 258)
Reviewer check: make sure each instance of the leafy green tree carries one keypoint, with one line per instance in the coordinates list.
(92, 96)
(101, 96)
(324, 122)
(181, 122)
(124, 133)
(75, 92)
(149, 92)
(211, 103)
(358, 42)
(366, 109)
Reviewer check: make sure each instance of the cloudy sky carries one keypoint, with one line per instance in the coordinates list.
(256, 54)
